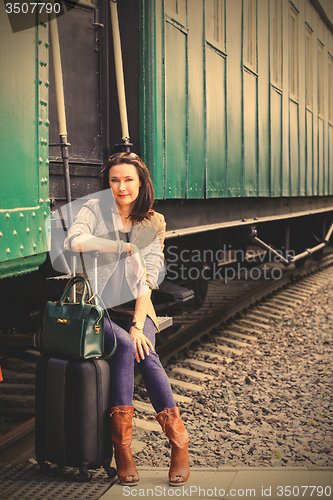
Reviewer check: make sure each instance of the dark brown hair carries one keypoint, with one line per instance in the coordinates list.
(142, 206)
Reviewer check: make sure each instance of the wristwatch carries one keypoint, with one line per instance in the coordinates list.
(138, 325)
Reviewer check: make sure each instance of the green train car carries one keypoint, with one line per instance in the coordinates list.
(24, 130)
(237, 103)
(229, 102)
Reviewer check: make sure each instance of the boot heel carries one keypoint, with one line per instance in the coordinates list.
(121, 435)
(173, 427)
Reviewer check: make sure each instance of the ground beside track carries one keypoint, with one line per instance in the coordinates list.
(271, 406)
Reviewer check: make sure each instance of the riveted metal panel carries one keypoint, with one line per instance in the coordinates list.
(216, 124)
(80, 66)
(24, 147)
(175, 111)
(196, 132)
(276, 142)
(250, 135)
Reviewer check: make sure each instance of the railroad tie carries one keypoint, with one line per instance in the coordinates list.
(253, 323)
(284, 303)
(192, 373)
(256, 316)
(146, 425)
(233, 342)
(245, 328)
(186, 385)
(214, 355)
(202, 365)
(240, 335)
(224, 348)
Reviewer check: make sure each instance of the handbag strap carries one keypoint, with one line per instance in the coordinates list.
(108, 356)
(96, 295)
(72, 282)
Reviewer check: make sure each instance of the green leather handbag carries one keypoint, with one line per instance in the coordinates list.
(74, 329)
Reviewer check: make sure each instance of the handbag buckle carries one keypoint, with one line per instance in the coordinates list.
(59, 320)
(97, 329)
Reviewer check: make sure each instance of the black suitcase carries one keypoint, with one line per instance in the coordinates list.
(73, 424)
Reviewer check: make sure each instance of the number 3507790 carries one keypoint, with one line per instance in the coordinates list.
(30, 8)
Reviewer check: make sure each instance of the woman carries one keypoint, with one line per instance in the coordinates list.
(130, 237)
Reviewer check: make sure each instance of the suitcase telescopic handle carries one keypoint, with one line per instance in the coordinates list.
(94, 254)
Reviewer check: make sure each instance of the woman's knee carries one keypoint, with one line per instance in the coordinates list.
(125, 344)
(150, 363)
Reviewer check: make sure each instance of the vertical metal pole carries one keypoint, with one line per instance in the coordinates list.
(287, 242)
(60, 100)
(118, 61)
(73, 265)
(95, 275)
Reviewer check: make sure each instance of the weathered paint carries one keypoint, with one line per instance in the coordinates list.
(211, 126)
(24, 188)
(301, 102)
(215, 124)
(309, 152)
(276, 142)
(175, 111)
(196, 109)
(330, 157)
(293, 148)
(321, 169)
(234, 97)
(263, 99)
(250, 139)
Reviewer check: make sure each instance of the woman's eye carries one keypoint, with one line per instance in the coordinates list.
(114, 180)
(128, 180)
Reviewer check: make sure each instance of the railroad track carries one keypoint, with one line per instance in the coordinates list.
(235, 323)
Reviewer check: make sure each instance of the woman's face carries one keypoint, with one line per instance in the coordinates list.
(125, 184)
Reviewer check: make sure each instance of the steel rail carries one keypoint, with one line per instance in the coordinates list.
(188, 334)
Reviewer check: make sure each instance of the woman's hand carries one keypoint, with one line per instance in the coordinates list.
(141, 343)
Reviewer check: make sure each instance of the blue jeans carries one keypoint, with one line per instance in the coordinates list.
(122, 368)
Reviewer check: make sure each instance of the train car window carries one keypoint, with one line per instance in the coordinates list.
(308, 67)
(250, 33)
(320, 70)
(214, 22)
(293, 53)
(330, 88)
(176, 9)
(276, 42)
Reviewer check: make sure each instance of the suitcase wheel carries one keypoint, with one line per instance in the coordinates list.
(44, 468)
(86, 474)
(111, 471)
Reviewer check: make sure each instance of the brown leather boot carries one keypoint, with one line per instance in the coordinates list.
(174, 429)
(121, 434)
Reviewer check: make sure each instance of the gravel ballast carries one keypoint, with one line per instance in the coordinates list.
(272, 406)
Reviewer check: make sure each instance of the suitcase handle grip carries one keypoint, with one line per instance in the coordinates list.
(94, 254)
